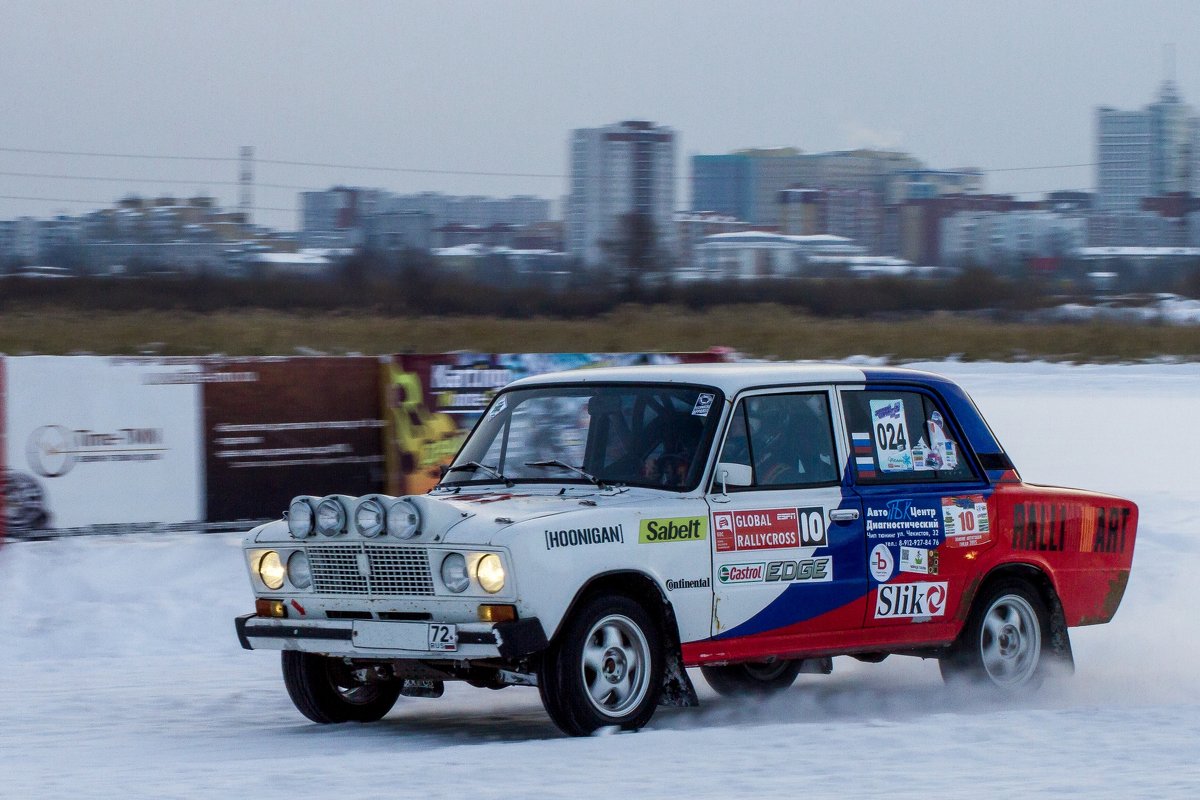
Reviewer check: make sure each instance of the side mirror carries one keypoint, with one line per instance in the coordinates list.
(730, 474)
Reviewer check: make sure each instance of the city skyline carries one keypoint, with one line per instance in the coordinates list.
(497, 88)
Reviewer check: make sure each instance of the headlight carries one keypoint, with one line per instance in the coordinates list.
(454, 573)
(300, 518)
(298, 571)
(270, 570)
(368, 517)
(403, 519)
(331, 517)
(489, 571)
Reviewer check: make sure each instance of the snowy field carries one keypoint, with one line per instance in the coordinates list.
(122, 676)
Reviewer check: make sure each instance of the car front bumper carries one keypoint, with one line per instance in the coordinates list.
(509, 641)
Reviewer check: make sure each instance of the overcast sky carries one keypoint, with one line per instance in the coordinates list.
(496, 87)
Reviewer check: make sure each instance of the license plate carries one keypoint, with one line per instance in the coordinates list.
(443, 638)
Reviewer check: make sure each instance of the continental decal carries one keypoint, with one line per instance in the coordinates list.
(576, 537)
(679, 529)
(1070, 527)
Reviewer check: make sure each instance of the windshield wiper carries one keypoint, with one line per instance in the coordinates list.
(474, 466)
(554, 462)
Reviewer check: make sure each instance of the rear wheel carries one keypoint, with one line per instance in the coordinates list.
(605, 668)
(752, 678)
(1005, 641)
(325, 690)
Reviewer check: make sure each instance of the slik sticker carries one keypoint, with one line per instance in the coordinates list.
(703, 405)
(892, 443)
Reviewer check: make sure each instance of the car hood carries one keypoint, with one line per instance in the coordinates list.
(478, 518)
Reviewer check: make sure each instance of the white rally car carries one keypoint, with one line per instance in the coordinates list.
(602, 530)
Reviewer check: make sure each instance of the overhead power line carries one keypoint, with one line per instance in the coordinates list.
(130, 179)
(81, 201)
(403, 170)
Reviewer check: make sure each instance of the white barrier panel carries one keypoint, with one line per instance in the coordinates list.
(96, 441)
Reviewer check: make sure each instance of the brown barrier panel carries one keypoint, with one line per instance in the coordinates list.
(3, 454)
(431, 401)
(278, 427)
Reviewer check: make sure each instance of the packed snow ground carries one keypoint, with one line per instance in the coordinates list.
(122, 676)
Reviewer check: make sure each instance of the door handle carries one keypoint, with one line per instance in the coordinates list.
(843, 514)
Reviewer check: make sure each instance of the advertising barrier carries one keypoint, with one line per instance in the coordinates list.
(97, 441)
(431, 401)
(278, 427)
(115, 445)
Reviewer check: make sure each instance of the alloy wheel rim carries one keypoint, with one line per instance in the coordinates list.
(615, 665)
(1010, 641)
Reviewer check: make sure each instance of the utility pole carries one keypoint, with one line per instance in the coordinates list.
(246, 183)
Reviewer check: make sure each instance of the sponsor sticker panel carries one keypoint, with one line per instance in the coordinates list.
(769, 529)
(1070, 527)
(677, 529)
(580, 537)
(965, 518)
(911, 600)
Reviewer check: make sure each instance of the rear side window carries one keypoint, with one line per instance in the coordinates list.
(902, 437)
(787, 440)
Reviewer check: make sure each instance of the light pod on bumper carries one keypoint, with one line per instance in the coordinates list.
(369, 517)
(403, 519)
(300, 517)
(330, 517)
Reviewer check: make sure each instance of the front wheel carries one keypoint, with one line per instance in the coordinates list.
(1005, 640)
(325, 690)
(604, 670)
(736, 680)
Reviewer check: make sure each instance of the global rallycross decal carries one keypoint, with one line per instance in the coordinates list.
(769, 529)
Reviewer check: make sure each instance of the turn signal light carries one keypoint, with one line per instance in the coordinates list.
(269, 608)
(497, 613)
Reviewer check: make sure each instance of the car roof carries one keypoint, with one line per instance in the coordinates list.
(729, 378)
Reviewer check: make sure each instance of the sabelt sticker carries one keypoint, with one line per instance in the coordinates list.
(703, 405)
(882, 563)
(679, 529)
(908, 600)
(891, 436)
(965, 519)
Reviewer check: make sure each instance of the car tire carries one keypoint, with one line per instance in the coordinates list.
(323, 690)
(741, 680)
(605, 668)
(1006, 642)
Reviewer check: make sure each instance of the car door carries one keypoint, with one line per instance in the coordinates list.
(787, 545)
(924, 505)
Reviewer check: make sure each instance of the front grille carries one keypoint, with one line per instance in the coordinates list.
(391, 570)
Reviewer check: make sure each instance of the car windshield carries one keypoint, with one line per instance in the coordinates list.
(606, 434)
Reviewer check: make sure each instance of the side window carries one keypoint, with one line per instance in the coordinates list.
(902, 437)
(787, 440)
